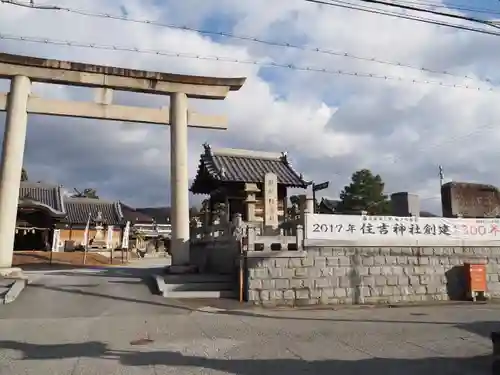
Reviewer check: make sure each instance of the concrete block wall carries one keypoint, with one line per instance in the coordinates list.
(358, 275)
(219, 255)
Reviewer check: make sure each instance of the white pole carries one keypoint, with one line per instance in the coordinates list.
(179, 178)
(12, 163)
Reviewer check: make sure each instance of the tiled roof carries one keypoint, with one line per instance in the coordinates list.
(232, 165)
(48, 195)
(78, 211)
(160, 214)
(135, 216)
(328, 205)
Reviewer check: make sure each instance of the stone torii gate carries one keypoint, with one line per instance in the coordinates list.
(23, 70)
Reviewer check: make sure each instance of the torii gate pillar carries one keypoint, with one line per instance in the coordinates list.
(179, 179)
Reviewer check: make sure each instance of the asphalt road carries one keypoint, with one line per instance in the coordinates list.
(88, 322)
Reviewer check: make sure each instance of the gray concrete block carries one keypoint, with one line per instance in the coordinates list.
(14, 290)
(268, 284)
(386, 270)
(281, 262)
(403, 280)
(368, 280)
(301, 272)
(368, 261)
(302, 294)
(427, 251)
(392, 280)
(308, 261)
(264, 295)
(321, 283)
(327, 271)
(362, 270)
(288, 295)
(391, 260)
(282, 283)
(340, 292)
(276, 295)
(332, 261)
(425, 280)
(344, 282)
(255, 284)
(326, 251)
(327, 292)
(344, 261)
(424, 261)
(380, 280)
(297, 283)
(320, 262)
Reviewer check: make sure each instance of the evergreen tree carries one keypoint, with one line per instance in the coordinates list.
(364, 193)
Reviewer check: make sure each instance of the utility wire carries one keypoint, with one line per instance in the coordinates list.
(165, 53)
(437, 13)
(229, 35)
(435, 5)
(347, 5)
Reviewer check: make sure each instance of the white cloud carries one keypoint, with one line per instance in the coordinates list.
(329, 124)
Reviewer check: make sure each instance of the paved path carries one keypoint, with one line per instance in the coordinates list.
(83, 322)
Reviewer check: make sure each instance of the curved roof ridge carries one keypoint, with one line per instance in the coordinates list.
(236, 152)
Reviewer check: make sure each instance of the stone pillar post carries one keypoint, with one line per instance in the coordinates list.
(302, 209)
(179, 178)
(250, 201)
(309, 204)
(11, 165)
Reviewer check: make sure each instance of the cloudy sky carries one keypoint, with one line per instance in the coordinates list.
(330, 125)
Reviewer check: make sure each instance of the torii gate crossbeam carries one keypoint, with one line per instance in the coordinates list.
(23, 70)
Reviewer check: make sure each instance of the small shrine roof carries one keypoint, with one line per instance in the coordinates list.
(234, 165)
(78, 211)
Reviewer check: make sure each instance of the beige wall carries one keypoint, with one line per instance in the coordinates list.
(78, 234)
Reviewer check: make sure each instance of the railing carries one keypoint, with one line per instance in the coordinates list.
(253, 235)
(201, 233)
(253, 242)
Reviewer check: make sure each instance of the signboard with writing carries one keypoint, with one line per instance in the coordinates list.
(470, 200)
(271, 200)
(322, 186)
(395, 230)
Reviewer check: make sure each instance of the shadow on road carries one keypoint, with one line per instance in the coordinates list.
(439, 365)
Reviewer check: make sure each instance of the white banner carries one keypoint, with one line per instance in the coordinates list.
(395, 230)
(126, 234)
(109, 238)
(55, 240)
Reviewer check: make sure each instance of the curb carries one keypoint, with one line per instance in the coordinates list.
(160, 284)
(494, 301)
(14, 291)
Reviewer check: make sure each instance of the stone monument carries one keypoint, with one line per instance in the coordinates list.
(98, 242)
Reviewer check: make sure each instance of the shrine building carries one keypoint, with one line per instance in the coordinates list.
(235, 179)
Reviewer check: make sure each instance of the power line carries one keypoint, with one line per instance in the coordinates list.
(165, 53)
(436, 5)
(437, 13)
(347, 5)
(229, 35)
